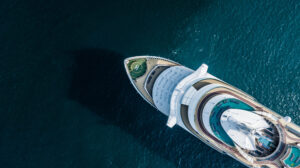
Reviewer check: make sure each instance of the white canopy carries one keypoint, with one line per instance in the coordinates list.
(240, 125)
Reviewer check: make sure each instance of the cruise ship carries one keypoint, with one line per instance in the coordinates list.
(219, 114)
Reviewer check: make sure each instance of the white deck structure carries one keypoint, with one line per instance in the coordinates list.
(181, 90)
(165, 85)
(241, 126)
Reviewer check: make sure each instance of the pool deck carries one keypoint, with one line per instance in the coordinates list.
(287, 137)
(215, 119)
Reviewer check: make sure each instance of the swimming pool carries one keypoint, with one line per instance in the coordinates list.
(215, 117)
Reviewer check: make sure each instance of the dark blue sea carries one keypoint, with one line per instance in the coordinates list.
(66, 101)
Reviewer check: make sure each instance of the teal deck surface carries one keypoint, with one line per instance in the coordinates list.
(293, 160)
(215, 117)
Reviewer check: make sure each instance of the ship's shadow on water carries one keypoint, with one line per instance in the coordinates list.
(100, 83)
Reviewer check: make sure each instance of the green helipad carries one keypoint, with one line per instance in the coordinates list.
(137, 67)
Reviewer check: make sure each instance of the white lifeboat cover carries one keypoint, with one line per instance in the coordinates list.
(240, 126)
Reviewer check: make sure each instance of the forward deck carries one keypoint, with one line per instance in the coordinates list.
(143, 71)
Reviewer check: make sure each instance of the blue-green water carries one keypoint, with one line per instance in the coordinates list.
(66, 100)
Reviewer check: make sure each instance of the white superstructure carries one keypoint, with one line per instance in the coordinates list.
(165, 84)
(243, 126)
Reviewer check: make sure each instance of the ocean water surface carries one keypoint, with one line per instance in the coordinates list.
(66, 100)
